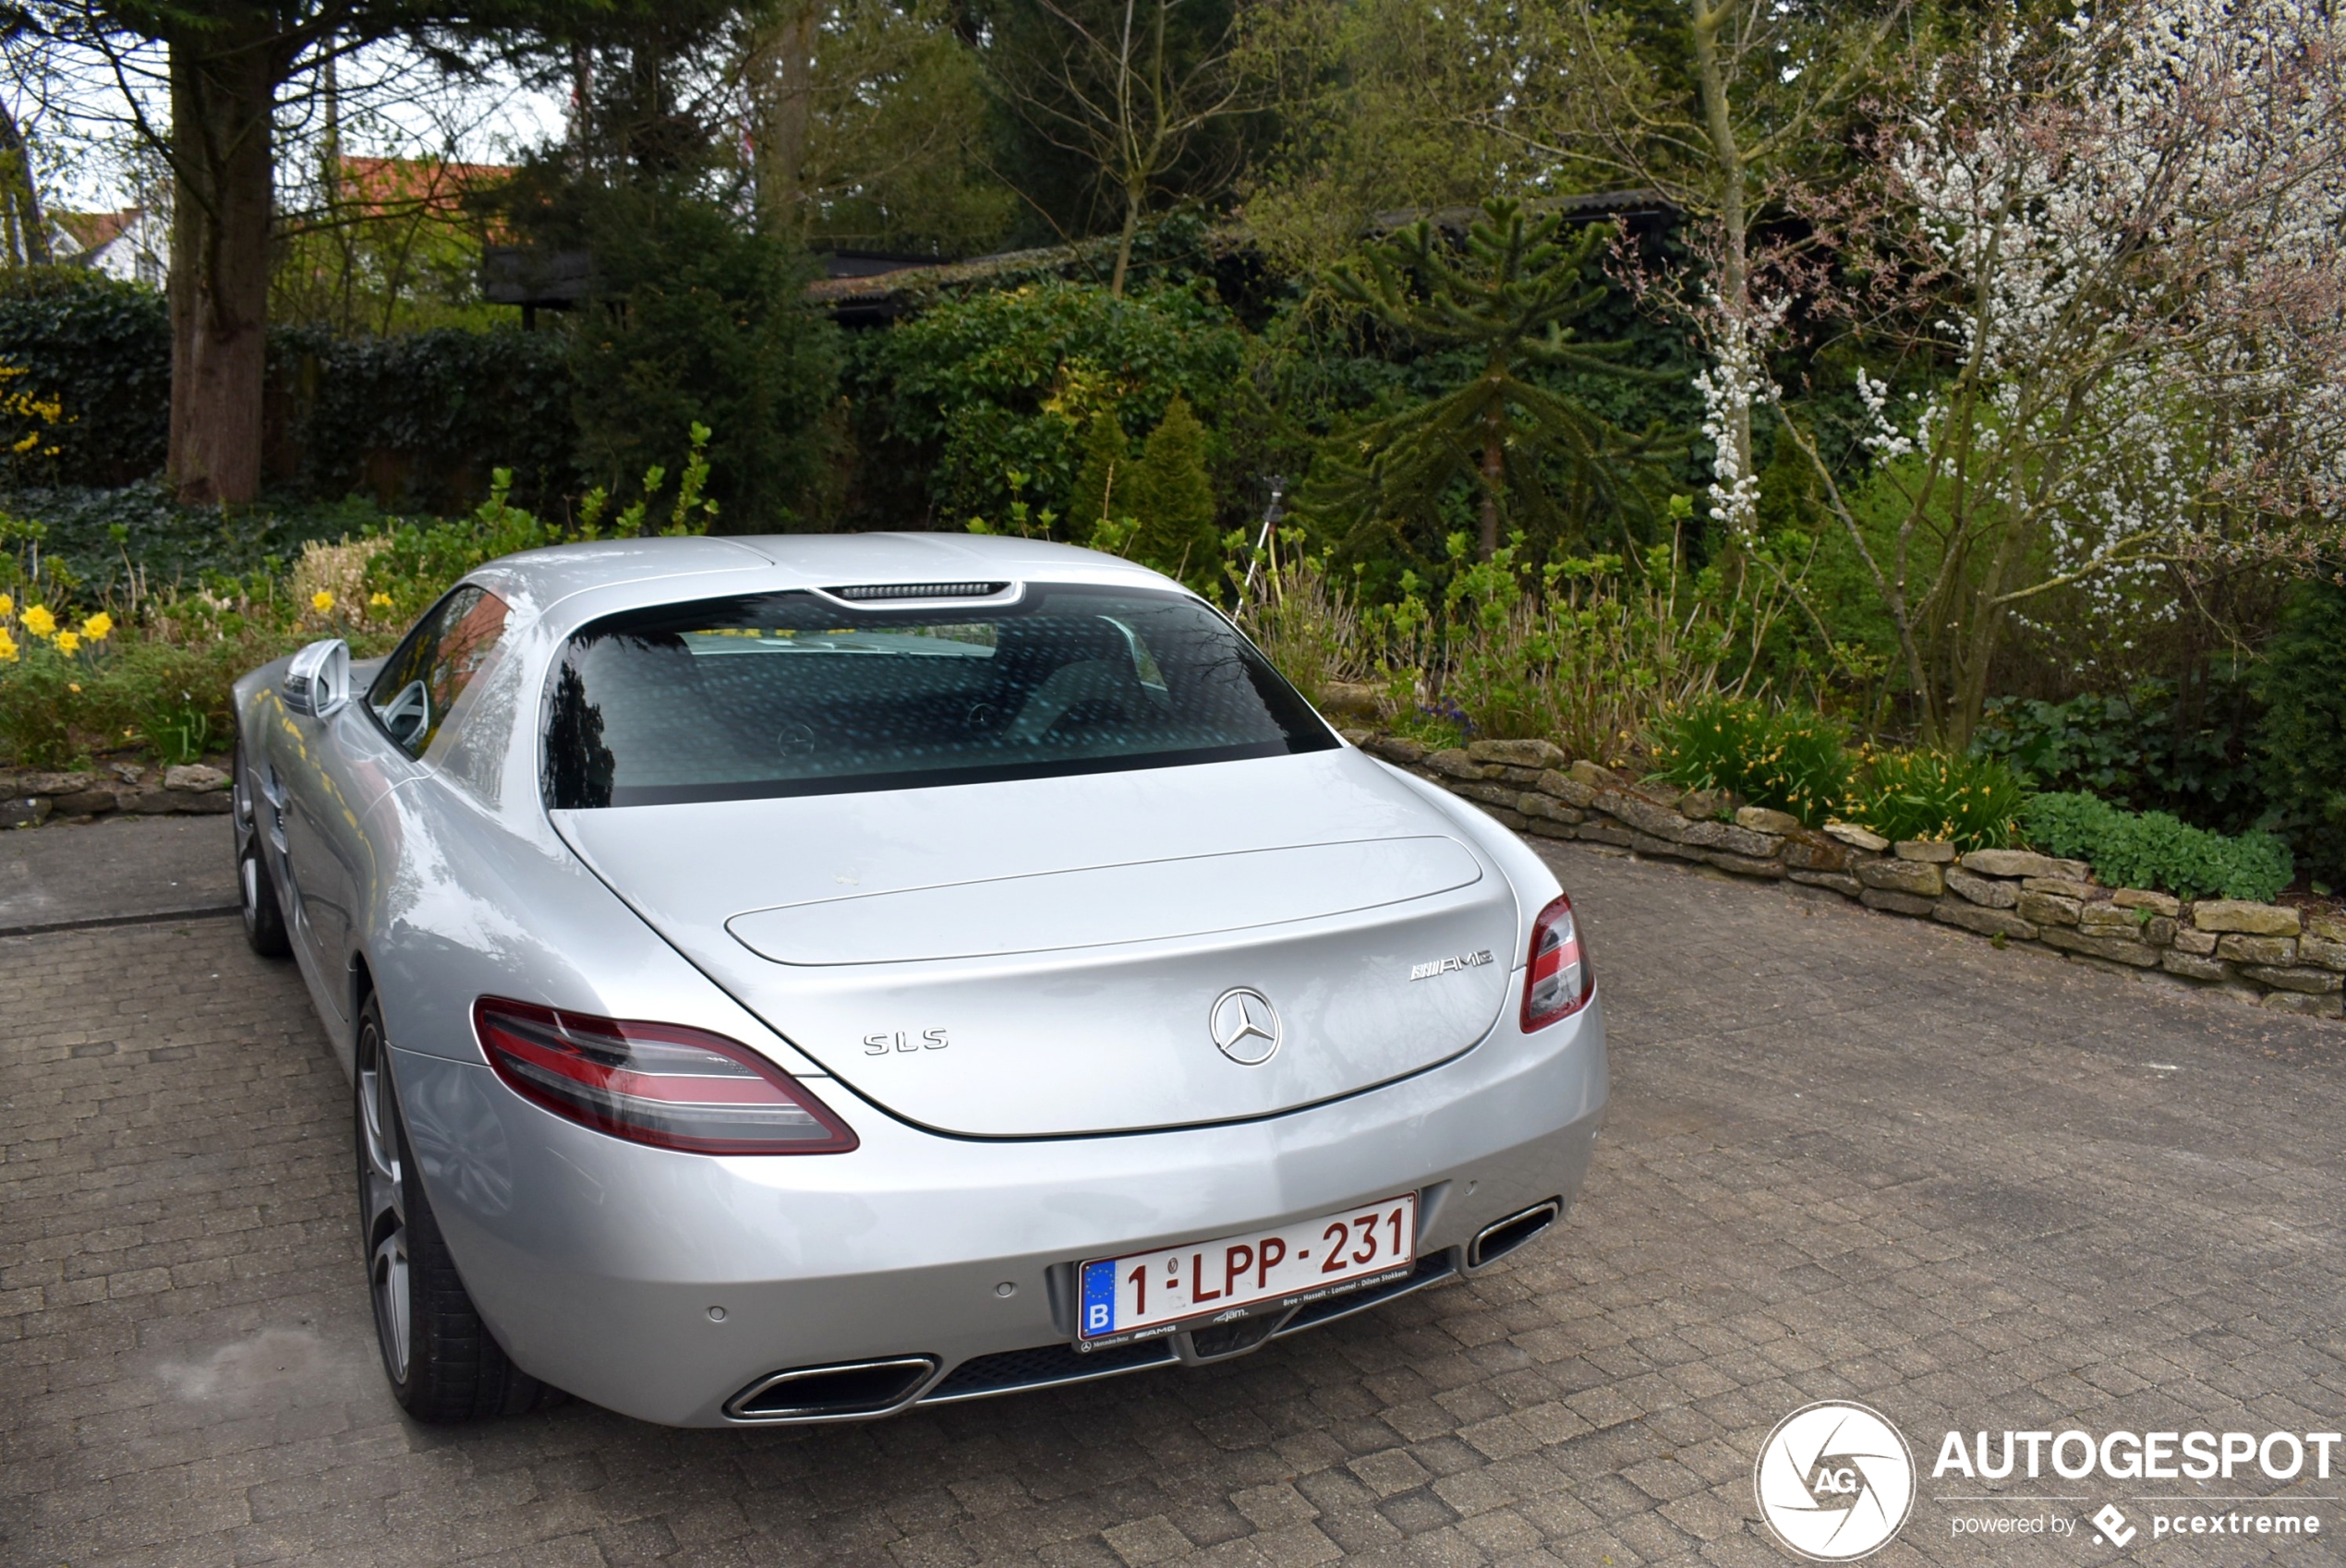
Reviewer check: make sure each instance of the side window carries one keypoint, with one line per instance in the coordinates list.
(420, 683)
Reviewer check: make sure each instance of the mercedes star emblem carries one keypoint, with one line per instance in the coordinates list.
(1245, 1026)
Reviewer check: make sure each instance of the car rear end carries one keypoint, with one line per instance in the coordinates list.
(1095, 1008)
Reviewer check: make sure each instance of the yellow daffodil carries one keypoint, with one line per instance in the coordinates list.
(7, 604)
(98, 628)
(379, 601)
(7, 648)
(321, 601)
(68, 642)
(39, 621)
(73, 686)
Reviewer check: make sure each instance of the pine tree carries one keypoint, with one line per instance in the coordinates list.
(1174, 500)
(1103, 490)
(1512, 293)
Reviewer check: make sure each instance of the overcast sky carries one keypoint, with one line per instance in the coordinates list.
(80, 118)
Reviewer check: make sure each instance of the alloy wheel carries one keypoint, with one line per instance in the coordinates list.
(383, 1207)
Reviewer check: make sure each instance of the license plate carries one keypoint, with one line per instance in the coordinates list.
(1147, 1293)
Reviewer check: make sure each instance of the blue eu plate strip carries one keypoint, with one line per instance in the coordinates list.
(1099, 1299)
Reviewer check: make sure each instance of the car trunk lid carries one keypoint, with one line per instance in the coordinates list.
(1045, 956)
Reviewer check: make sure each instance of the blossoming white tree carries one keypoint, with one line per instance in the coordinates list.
(2124, 245)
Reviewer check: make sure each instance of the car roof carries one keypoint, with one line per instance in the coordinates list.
(779, 562)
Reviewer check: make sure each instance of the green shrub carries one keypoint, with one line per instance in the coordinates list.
(1794, 760)
(2153, 850)
(103, 348)
(1969, 802)
(698, 318)
(1103, 488)
(36, 711)
(164, 687)
(1004, 382)
(2135, 750)
(2302, 741)
(1174, 501)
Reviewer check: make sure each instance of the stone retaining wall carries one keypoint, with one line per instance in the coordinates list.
(28, 799)
(2268, 954)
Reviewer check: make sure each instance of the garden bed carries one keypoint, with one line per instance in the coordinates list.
(2290, 958)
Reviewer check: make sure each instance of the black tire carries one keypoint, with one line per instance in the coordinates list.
(443, 1363)
(264, 915)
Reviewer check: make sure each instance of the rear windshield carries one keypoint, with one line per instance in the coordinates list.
(792, 695)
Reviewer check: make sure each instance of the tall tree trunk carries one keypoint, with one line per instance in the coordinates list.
(1494, 473)
(1735, 268)
(582, 106)
(783, 69)
(223, 89)
(1132, 196)
(23, 195)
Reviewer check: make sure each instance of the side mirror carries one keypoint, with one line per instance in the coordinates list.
(318, 681)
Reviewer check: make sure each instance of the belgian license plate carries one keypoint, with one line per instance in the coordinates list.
(1145, 1293)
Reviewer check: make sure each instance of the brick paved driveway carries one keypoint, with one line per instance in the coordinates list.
(1847, 1155)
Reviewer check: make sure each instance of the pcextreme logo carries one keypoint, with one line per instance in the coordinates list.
(1835, 1481)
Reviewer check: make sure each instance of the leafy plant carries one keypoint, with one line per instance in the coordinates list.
(1303, 618)
(36, 706)
(1971, 801)
(2303, 742)
(2134, 748)
(2153, 848)
(1791, 759)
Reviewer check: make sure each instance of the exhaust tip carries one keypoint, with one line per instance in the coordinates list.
(1500, 1238)
(841, 1392)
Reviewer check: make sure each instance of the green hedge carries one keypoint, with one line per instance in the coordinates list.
(418, 420)
(2301, 680)
(421, 420)
(2153, 850)
(104, 348)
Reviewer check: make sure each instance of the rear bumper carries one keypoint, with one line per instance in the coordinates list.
(661, 1285)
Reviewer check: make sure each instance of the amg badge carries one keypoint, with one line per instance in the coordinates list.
(1432, 967)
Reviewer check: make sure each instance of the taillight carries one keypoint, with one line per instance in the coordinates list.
(1558, 984)
(657, 1084)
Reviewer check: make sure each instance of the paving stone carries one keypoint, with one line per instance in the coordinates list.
(2023, 863)
(1827, 1169)
(2239, 915)
(2049, 908)
(1985, 921)
(2242, 949)
(1986, 891)
(1534, 755)
(2299, 977)
(2157, 903)
(1920, 878)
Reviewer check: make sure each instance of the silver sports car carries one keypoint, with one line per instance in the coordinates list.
(795, 979)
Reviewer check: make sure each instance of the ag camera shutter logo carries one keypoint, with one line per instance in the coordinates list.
(1835, 1481)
